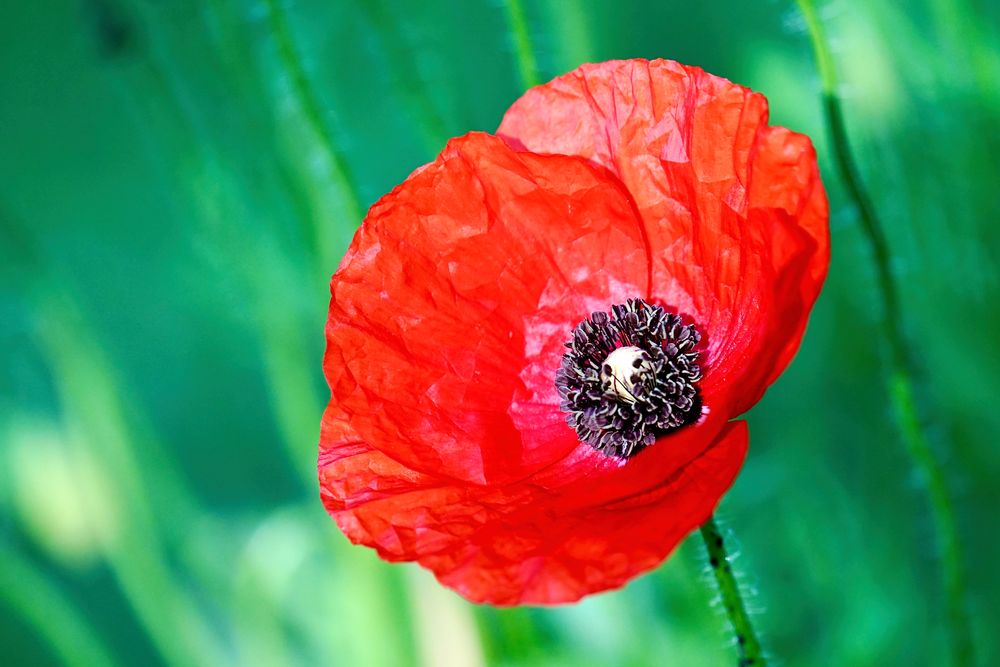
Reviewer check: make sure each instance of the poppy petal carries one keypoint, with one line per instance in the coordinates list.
(513, 544)
(443, 309)
(733, 209)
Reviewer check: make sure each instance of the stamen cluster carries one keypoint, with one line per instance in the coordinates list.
(629, 377)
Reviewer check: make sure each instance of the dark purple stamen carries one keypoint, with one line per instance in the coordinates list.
(629, 377)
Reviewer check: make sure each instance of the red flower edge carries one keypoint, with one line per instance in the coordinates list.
(443, 441)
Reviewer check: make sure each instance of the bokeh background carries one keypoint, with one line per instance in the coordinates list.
(178, 180)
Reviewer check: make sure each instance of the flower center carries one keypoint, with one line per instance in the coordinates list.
(629, 377)
(627, 373)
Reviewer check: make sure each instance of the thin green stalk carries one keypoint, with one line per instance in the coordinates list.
(405, 74)
(901, 381)
(289, 369)
(943, 514)
(310, 105)
(290, 382)
(751, 653)
(527, 65)
(234, 54)
(36, 599)
(267, 643)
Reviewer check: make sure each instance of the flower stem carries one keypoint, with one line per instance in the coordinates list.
(751, 653)
(527, 65)
(901, 374)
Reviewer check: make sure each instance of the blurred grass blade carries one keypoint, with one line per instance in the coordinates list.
(573, 40)
(89, 397)
(61, 495)
(901, 379)
(404, 62)
(290, 370)
(446, 633)
(288, 56)
(290, 365)
(527, 63)
(219, 202)
(53, 616)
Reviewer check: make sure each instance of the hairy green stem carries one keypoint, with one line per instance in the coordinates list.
(943, 514)
(527, 65)
(901, 372)
(751, 653)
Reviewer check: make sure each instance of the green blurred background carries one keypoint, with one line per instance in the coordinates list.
(177, 183)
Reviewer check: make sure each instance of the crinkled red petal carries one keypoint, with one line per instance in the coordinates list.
(449, 311)
(548, 539)
(734, 209)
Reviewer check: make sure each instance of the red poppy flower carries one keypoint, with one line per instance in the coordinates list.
(537, 344)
